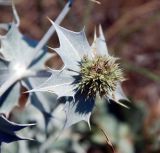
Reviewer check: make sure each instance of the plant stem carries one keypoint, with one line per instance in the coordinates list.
(51, 31)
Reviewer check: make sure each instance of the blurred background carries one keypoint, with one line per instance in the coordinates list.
(132, 31)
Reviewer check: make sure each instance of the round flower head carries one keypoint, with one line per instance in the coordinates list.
(99, 76)
(88, 71)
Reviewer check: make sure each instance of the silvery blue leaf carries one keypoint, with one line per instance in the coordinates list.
(78, 109)
(77, 40)
(8, 129)
(99, 44)
(72, 47)
(60, 83)
(119, 94)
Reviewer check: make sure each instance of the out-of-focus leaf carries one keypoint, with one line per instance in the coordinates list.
(8, 129)
(13, 62)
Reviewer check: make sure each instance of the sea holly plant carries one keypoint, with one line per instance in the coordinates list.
(88, 72)
(22, 64)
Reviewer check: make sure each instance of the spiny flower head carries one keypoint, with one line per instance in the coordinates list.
(99, 75)
(88, 71)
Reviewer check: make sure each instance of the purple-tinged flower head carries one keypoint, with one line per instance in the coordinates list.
(88, 71)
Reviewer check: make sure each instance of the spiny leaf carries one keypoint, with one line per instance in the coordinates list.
(78, 109)
(8, 129)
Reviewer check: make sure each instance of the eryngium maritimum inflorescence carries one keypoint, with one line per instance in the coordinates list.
(88, 71)
(99, 76)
